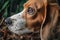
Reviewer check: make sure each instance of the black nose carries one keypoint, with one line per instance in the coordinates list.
(8, 21)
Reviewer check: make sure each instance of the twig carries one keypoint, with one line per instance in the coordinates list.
(1, 21)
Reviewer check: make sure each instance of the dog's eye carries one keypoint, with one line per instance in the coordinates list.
(30, 10)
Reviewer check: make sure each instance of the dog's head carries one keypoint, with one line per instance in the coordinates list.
(31, 17)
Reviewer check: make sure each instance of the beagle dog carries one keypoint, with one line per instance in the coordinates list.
(37, 15)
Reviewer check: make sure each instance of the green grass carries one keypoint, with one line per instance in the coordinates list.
(10, 7)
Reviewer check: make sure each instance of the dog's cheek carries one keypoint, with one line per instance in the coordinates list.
(41, 19)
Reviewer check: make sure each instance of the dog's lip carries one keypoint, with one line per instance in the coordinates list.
(25, 30)
(7, 25)
(19, 29)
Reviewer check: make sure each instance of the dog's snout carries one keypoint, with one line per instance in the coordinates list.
(8, 21)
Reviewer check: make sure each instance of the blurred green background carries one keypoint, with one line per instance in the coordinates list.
(10, 7)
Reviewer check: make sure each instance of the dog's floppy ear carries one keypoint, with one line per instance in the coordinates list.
(44, 18)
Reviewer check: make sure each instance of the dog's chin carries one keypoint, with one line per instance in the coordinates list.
(19, 29)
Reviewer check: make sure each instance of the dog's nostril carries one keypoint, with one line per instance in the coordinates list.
(8, 21)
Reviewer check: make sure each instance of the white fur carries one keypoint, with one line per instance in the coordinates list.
(18, 24)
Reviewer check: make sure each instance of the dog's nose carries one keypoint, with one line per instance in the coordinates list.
(8, 21)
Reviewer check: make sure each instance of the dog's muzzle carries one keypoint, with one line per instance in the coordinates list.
(17, 24)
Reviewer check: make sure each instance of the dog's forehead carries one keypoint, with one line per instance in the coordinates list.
(33, 3)
(28, 3)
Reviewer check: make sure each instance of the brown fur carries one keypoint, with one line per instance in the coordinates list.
(45, 17)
